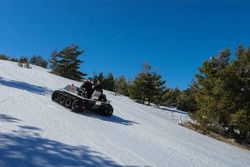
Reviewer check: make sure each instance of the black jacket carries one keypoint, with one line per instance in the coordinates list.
(98, 88)
(87, 88)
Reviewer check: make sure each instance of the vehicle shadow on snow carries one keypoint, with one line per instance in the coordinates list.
(113, 118)
(25, 86)
(25, 147)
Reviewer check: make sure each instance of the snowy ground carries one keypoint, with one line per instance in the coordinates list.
(34, 131)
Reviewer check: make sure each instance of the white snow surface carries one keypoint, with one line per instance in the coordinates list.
(34, 131)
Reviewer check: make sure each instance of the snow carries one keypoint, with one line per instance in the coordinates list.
(34, 131)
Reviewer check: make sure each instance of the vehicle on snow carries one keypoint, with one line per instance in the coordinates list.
(75, 99)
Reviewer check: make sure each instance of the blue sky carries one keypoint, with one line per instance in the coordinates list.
(174, 36)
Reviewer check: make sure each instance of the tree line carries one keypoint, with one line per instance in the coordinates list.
(147, 87)
(218, 97)
(35, 59)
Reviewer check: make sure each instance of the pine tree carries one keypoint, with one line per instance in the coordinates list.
(39, 61)
(136, 89)
(23, 59)
(240, 90)
(186, 101)
(121, 85)
(240, 121)
(53, 62)
(100, 77)
(171, 97)
(3, 57)
(222, 94)
(210, 83)
(109, 82)
(159, 89)
(147, 86)
(66, 63)
(13, 59)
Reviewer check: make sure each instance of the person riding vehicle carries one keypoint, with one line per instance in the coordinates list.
(86, 88)
(98, 87)
(98, 92)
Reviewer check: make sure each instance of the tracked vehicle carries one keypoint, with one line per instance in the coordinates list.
(75, 99)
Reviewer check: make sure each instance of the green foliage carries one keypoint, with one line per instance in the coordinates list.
(54, 65)
(66, 63)
(210, 83)
(171, 97)
(241, 121)
(136, 89)
(23, 59)
(109, 82)
(121, 86)
(3, 57)
(221, 93)
(13, 59)
(39, 61)
(147, 86)
(186, 101)
(100, 77)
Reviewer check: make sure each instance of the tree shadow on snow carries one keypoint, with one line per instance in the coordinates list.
(173, 110)
(30, 128)
(25, 86)
(7, 118)
(25, 147)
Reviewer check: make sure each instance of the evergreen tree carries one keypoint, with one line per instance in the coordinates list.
(3, 57)
(53, 62)
(171, 97)
(23, 62)
(239, 87)
(13, 59)
(147, 86)
(66, 63)
(186, 101)
(222, 94)
(136, 90)
(39, 61)
(23, 59)
(121, 85)
(109, 82)
(159, 88)
(100, 77)
(209, 82)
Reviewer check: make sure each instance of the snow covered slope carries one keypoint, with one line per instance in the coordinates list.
(34, 131)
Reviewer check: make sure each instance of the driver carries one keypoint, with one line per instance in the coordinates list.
(98, 87)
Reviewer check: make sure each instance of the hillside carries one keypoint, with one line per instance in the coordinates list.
(34, 131)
